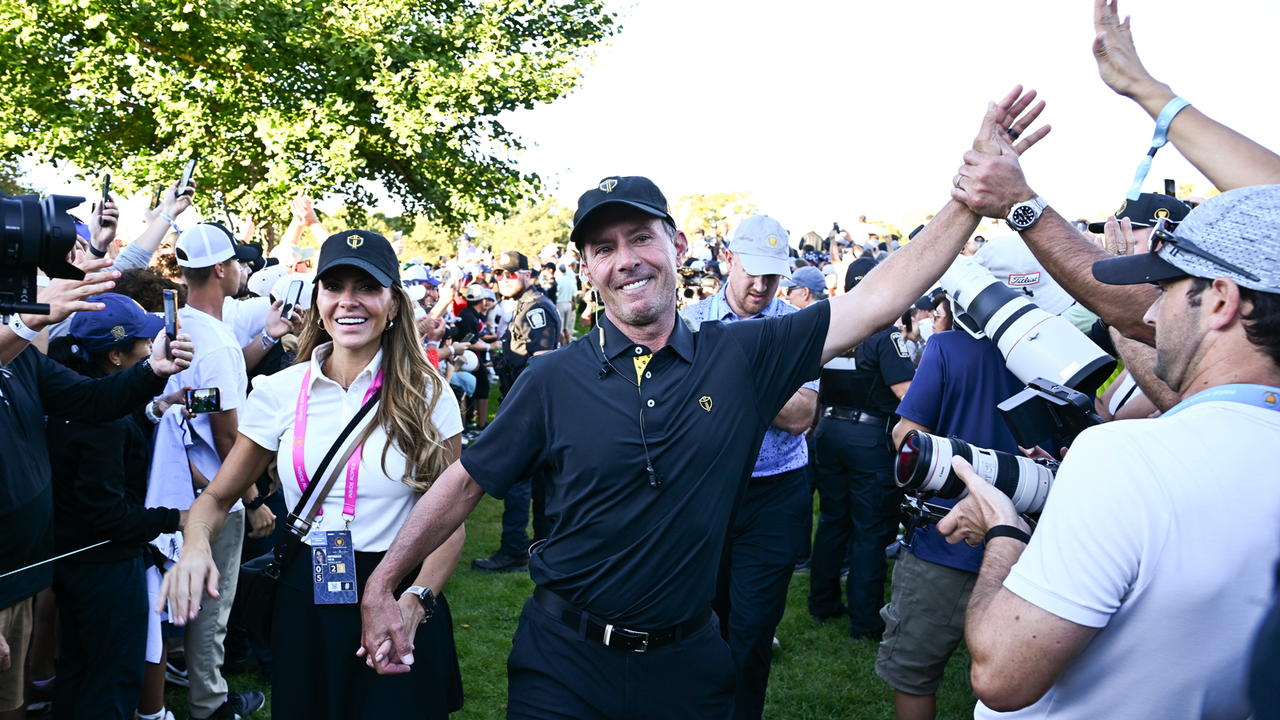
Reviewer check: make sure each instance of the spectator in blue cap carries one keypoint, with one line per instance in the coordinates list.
(99, 486)
(806, 286)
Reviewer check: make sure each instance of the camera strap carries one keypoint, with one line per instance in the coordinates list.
(1263, 396)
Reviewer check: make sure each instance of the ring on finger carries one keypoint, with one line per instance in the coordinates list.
(970, 543)
(1013, 133)
(956, 182)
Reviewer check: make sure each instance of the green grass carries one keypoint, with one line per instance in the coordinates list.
(820, 673)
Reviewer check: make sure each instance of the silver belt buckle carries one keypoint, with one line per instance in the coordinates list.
(643, 636)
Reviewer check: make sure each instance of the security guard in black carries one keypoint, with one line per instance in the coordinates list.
(535, 323)
(858, 498)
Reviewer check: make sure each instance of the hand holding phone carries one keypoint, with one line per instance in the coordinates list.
(204, 400)
(155, 197)
(291, 298)
(170, 320)
(184, 185)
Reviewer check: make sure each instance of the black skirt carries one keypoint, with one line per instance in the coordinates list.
(317, 673)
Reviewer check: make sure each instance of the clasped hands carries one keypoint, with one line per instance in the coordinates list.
(990, 181)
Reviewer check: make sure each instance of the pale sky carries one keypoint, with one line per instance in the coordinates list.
(827, 110)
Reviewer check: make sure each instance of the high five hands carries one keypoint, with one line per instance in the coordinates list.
(991, 180)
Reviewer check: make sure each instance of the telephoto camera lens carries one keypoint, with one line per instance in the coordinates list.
(924, 465)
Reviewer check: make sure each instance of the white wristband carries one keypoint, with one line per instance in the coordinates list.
(268, 341)
(20, 329)
(169, 219)
(150, 413)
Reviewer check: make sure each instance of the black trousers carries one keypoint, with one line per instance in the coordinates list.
(858, 512)
(103, 612)
(756, 569)
(556, 673)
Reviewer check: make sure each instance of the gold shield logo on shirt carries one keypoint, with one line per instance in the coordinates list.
(1269, 399)
(609, 185)
(355, 241)
(705, 402)
(772, 240)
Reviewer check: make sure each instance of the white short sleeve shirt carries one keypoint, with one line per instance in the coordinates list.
(218, 363)
(383, 502)
(1164, 534)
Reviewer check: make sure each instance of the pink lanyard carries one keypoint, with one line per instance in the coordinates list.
(299, 456)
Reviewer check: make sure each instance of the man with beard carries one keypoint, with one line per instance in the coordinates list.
(644, 487)
(769, 530)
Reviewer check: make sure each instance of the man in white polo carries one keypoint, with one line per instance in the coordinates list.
(1154, 560)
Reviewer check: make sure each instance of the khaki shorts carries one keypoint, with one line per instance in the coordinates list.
(924, 622)
(15, 627)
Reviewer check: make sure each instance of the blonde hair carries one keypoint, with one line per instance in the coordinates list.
(403, 411)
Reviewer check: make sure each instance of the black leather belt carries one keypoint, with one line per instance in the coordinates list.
(854, 415)
(624, 639)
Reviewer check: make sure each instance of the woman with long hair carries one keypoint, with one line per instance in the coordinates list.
(360, 336)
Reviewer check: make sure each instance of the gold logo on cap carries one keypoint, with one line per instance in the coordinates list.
(772, 241)
(355, 241)
(609, 185)
(705, 402)
(1162, 213)
(1123, 205)
(118, 333)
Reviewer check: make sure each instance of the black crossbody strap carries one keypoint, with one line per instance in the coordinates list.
(299, 525)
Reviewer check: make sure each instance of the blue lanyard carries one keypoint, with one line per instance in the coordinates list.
(1263, 396)
(1159, 140)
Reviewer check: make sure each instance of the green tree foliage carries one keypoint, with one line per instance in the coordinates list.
(703, 211)
(326, 96)
(528, 229)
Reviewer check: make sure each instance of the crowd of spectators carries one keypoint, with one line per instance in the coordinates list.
(138, 529)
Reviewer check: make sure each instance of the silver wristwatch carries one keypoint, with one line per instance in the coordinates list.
(428, 600)
(1025, 214)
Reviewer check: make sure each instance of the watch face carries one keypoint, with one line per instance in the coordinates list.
(1023, 215)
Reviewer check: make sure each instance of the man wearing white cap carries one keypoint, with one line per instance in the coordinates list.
(210, 263)
(769, 531)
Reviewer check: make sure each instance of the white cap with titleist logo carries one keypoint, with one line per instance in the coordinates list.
(760, 242)
(1010, 261)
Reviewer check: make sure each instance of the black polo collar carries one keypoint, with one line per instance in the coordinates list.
(617, 343)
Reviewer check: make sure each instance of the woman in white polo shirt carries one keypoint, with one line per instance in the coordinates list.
(356, 341)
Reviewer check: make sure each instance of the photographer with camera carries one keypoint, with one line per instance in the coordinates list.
(955, 391)
(32, 387)
(1170, 563)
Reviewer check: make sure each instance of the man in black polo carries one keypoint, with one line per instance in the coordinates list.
(648, 434)
(859, 499)
(534, 329)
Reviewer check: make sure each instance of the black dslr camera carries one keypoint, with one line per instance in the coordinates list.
(36, 233)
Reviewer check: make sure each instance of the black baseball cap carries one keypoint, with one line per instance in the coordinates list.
(366, 250)
(511, 261)
(634, 191)
(858, 269)
(1146, 210)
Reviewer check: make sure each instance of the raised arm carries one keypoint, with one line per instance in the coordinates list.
(995, 183)
(1229, 159)
(195, 572)
(899, 281)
